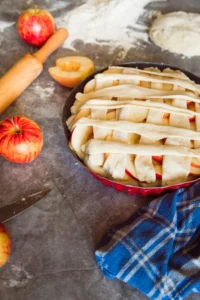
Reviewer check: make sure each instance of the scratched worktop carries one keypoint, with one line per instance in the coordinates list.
(53, 242)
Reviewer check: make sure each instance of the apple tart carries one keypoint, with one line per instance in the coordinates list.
(138, 127)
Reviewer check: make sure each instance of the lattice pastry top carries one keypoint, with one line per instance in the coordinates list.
(140, 127)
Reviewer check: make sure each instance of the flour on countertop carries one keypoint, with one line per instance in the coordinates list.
(19, 278)
(10, 283)
(57, 5)
(44, 92)
(4, 25)
(18, 271)
(107, 22)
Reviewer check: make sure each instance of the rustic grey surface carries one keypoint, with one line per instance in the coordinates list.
(53, 243)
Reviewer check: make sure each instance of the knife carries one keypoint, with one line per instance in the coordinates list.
(11, 210)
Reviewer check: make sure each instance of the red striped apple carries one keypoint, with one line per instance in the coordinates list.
(35, 26)
(5, 245)
(21, 139)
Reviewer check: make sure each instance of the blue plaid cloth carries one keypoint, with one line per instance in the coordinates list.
(157, 250)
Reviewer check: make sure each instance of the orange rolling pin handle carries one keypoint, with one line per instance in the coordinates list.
(54, 42)
(17, 79)
(26, 70)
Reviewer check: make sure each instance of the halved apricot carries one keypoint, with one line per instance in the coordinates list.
(70, 70)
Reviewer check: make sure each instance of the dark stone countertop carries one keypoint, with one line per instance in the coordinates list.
(53, 242)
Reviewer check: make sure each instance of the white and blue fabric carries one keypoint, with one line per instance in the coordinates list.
(157, 250)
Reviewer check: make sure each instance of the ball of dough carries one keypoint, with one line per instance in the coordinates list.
(178, 32)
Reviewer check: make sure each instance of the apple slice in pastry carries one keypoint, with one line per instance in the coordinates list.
(176, 169)
(79, 136)
(115, 165)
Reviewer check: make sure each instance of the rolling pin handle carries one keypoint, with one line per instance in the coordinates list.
(53, 43)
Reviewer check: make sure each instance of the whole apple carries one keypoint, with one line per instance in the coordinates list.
(21, 139)
(5, 245)
(35, 26)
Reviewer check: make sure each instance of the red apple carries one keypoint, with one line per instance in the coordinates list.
(35, 26)
(5, 245)
(21, 139)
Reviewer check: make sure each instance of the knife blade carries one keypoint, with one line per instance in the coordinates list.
(11, 210)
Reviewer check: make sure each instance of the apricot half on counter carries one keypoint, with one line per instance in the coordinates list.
(5, 245)
(70, 70)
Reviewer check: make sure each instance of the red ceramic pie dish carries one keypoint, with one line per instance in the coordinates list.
(121, 187)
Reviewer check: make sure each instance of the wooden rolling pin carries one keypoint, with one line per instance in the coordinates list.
(27, 69)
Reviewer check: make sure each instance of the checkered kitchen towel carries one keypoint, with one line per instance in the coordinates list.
(157, 250)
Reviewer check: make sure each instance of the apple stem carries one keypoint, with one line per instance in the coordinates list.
(16, 127)
(36, 8)
(12, 121)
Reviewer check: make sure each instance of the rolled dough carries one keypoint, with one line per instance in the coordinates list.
(178, 32)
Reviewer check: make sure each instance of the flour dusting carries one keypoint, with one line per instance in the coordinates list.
(107, 22)
(20, 277)
(18, 271)
(57, 5)
(10, 283)
(45, 92)
(4, 25)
